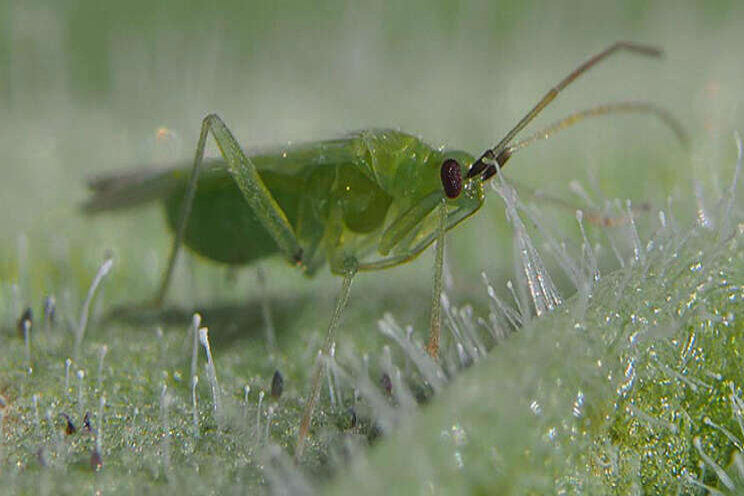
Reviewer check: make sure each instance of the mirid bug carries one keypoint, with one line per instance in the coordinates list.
(368, 201)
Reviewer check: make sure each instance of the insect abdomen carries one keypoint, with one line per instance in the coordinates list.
(222, 227)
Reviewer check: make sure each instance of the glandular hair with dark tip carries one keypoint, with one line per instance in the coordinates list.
(451, 178)
(352, 417)
(28, 315)
(96, 462)
(49, 309)
(70, 427)
(386, 383)
(86, 422)
(297, 257)
(277, 385)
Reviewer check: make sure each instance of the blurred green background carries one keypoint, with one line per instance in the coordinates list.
(87, 86)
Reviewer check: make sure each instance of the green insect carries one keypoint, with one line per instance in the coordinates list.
(368, 201)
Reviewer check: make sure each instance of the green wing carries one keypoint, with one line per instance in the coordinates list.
(125, 189)
(131, 188)
(292, 159)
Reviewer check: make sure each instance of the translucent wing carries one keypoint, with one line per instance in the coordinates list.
(131, 188)
(124, 189)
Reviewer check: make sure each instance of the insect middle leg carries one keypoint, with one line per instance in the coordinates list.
(317, 380)
(255, 192)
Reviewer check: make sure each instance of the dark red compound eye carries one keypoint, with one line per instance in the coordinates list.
(451, 178)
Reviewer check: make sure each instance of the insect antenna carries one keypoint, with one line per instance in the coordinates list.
(491, 155)
(599, 110)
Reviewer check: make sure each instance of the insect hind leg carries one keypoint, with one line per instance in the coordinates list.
(351, 268)
(252, 187)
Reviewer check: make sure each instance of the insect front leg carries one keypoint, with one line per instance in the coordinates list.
(396, 234)
(255, 192)
(436, 294)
